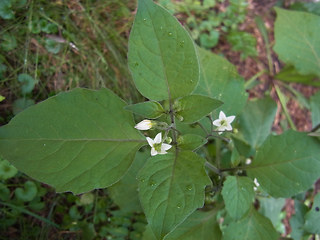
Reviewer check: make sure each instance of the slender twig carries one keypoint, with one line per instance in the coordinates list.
(283, 103)
(316, 128)
(212, 168)
(211, 123)
(219, 137)
(203, 128)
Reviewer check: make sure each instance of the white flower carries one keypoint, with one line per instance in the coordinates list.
(255, 188)
(157, 147)
(223, 123)
(144, 125)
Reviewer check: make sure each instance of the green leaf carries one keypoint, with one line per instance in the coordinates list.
(5, 9)
(199, 225)
(2, 98)
(271, 208)
(252, 226)
(256, 120)
(243, 42)
(238, 195)
(191, 142)
(124, 193)
(297, 40)
(315, 109)
(21, 104)
(27, 193)
(220, 80)
(297, 220)
(76, 141)
(290, 74)
(209, 40)
(53, 46)
(194, 107)
(3, 69)
(28, 83)
(150, 109)
(313, 217)
(242, 146)
(171, 187)
(7, 170)
(4, 192)
(287, 164)
(8, 42)
(162, 57)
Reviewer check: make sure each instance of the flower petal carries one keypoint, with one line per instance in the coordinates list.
(217, 122)
(228, 127)
(144, 125)
(222, 115)
(230, 119)
(153, 152)
(158, 138)
(150, 141)
(165, 147)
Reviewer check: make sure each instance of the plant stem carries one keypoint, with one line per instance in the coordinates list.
(218, 148)
(212, 168)
(23, 210)
(283, 103)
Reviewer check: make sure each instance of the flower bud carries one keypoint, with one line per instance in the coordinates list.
(144, 125)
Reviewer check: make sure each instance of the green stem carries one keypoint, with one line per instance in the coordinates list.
(218, 148)
(283, 103)
(23, 210)
(212, 168)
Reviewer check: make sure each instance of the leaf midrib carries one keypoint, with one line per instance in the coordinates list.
(161, 56)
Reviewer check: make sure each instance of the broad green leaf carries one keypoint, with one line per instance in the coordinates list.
(219, 79)
(27, 82)
(271, 208)
(194, 107)
(297, 220)
(191, 142)
(76, 141)
(171, 187)
(297, 40)
(287, 164)
(242, 146)
(124, 193)
(313, 217)
(238, 195)
(315, 109)
(290, 74)
(199, 225)
(150, 109)
(162, 56)
(2, 98)
(252, 226)
(256, 120)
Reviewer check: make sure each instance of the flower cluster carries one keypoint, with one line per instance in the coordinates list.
(223, 123)
(156, 144)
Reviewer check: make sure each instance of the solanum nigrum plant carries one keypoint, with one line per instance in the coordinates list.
(195, 161)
